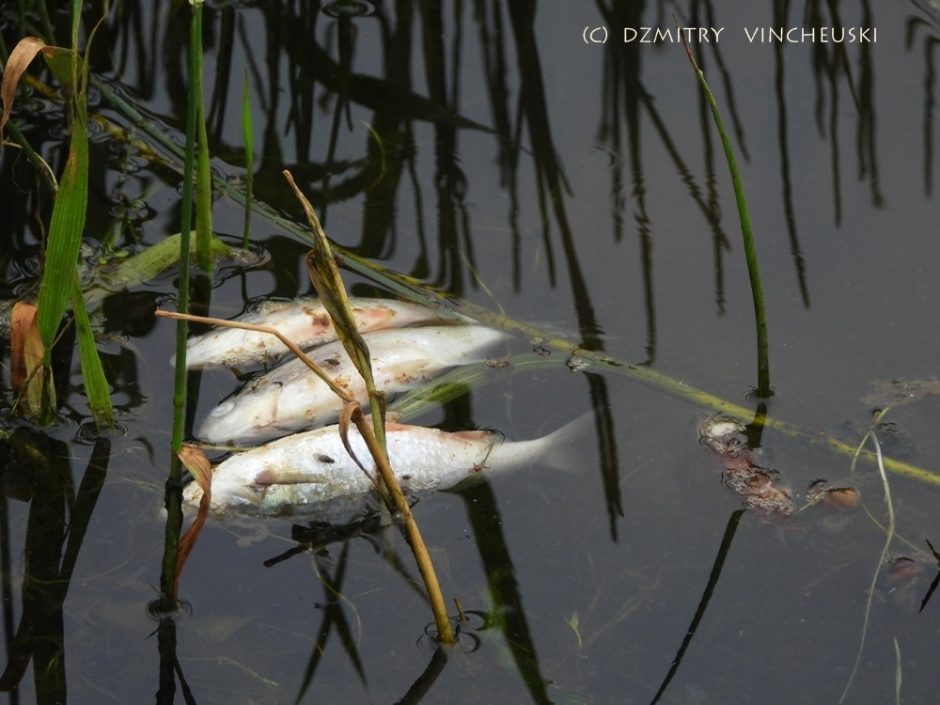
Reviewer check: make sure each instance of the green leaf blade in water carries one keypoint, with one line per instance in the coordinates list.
(96, 385)
(65, 233)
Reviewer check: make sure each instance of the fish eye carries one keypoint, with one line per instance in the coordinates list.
(223, 408)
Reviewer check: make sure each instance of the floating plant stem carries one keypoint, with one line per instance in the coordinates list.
(750, 250)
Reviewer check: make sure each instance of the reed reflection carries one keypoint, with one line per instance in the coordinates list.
(929, 28)
(59, 514)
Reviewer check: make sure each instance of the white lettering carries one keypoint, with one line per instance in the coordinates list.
(662, 36)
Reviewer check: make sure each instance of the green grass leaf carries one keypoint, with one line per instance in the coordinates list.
(65, 232)
(96, 386)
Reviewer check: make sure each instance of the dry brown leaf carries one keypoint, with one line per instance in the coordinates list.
(26, 353)
(20, 58)
(198, 464)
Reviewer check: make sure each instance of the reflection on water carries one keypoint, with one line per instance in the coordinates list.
(484, 150)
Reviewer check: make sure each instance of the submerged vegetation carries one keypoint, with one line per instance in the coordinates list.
(107, 128)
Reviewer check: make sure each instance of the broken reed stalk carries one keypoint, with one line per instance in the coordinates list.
(324, 273)
(750, 249)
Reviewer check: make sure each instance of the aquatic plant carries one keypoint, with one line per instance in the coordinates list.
(750, 249)
(59, 285)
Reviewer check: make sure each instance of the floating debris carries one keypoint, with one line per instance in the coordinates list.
(895, 392)
(722, 434)
(578, 363)
(759, 486)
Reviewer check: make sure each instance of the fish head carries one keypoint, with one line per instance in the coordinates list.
(227, 497)
(242, 418)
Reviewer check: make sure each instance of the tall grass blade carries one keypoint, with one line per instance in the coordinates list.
(750, 249)
(203, 171)
(96, 386)
(65, 229)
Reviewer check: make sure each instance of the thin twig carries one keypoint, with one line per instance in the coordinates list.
(889, 537)
(192, 318)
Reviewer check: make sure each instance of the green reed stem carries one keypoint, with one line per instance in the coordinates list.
(750, 250)
(203, 171)
(173, 496)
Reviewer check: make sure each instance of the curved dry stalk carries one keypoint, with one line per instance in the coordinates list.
(398, 500)
(325, 276)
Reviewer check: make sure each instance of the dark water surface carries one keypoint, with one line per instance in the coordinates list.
(487, 150)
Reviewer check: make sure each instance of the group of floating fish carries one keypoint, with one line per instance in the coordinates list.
(307, 470)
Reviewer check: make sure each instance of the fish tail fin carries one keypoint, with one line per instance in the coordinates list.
(563, 448)
(560, 449)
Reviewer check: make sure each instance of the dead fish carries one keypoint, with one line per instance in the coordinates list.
(292, 398)
(311, 473)
(305, 322)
